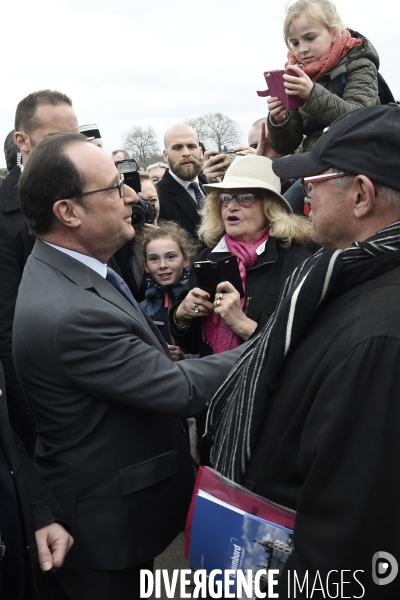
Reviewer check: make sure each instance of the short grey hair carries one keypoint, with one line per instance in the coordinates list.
(392, 195)
(124, 152)
(156, 166)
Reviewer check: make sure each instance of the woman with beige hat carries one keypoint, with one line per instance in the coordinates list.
(245, 216)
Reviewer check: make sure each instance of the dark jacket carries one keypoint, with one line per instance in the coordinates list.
(15, 246)
(176, 204)
(330, 446)
(109, 404)
(154, 305)
(264, 282)
(35, 506)
(323, 107)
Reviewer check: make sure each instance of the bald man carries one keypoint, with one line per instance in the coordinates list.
(180, 190)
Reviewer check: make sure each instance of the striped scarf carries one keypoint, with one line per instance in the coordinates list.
(238, 409)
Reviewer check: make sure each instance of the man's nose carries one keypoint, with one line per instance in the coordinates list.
(130, 196)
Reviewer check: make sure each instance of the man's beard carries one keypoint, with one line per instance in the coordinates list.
(186, 173)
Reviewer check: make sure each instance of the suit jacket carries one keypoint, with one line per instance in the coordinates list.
(15, 246)
(109, 403)
(176, 204)
(38, 506)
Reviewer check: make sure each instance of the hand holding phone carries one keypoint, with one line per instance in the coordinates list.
(215, 166)
(276, 88)
(210, 273)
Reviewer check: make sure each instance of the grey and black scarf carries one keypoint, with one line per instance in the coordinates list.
(239, 407)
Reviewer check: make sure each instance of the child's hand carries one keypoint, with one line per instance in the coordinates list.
(277, 111)
(298, 86)
(176, 353)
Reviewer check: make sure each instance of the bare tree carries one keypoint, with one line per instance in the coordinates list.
(142, 142)
(216, 129)
(222, 130)
(200, 127)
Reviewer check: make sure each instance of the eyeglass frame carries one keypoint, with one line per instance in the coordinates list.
(119, 187)
(323, 177)
(255, 197)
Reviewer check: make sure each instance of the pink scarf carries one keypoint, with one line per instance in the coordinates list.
(330, 58)
(214, 331)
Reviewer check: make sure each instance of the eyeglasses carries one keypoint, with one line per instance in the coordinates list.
(245, 200)
(309, 181)
(119, 187)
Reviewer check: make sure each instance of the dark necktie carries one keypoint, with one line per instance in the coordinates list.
(197, 192)
(121, 286)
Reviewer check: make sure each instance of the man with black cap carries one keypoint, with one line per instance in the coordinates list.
(324, 439)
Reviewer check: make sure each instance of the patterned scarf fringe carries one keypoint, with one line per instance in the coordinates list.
(238, 409)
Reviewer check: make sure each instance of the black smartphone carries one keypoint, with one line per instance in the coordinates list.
(228, 270)
(207, 276)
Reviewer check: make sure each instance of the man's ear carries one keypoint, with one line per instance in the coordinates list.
(165, 155)
(22, 141)
(66, 213)
(364, 201)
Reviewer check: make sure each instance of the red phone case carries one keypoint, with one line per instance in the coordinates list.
(276, 88)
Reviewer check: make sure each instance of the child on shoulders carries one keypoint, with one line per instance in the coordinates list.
(319, 42)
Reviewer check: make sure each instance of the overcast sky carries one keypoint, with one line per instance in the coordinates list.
(125, 62)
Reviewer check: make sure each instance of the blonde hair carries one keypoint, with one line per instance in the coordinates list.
(322, 11)
(285, 227)
(187, 245)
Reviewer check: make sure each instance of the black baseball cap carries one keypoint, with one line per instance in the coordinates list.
(364, 141)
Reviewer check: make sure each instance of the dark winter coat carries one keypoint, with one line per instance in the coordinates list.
(264, 282)
(323, 107)
(330, 443)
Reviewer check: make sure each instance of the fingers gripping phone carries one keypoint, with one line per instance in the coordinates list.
(210, 273)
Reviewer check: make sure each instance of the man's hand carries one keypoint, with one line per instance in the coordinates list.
(53, 543)
(215, 165)
(244, 150)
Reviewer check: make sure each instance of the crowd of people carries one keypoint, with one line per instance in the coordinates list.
(123, 367)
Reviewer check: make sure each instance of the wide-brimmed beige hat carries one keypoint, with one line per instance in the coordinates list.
(251, 172)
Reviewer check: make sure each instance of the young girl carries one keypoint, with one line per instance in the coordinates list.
(166, 253)
(318, 41)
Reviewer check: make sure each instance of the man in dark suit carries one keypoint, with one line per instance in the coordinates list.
(97, 375)
(38, 115)
(180, 190)
(32, 539)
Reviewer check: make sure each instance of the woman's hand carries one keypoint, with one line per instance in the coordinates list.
(227, 306)
(195, 305)
(276, 111)
(176, 353)
(298, 86)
